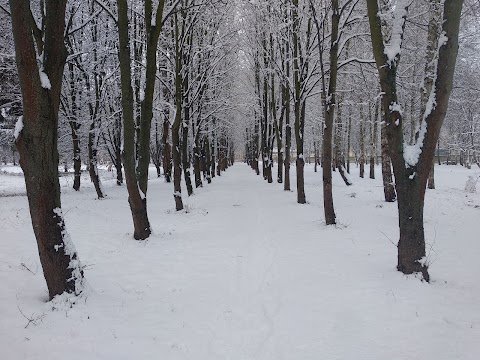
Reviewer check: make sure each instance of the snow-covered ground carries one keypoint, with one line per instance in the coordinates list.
(246, 273)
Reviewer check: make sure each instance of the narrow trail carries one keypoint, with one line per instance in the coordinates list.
(254, 302)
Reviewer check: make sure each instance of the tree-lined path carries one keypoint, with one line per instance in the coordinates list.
(246, 273)
(243, 179)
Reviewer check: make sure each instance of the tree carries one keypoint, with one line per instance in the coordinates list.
(301, 62)
(136, 175)
(340, 20)
(37, 141)
(412, 163)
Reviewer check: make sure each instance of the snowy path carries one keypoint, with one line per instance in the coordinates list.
(246, 273)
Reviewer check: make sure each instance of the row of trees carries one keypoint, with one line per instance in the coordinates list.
(316, 57)
(146, 81)
(143, 82)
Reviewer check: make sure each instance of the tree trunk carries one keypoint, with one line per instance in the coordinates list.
(373, 145)
(156, 151)
(288, 141)
(92, 161)
(349, 140)
(118, 167)
(197, 159)
(153, 27)
(75, 127)
(327, 162)
(286, 105)
(185, 160)
(339, 155)
(329, 104)
(77, 161)
(177, 170)
(269, 154)
(208, 160)
(167, 152)
(117, 142)
(299, 105)
(411, 246)
(362, 143)
(388, 188)
(37, 141)
(300, 163)
(213, 157)
(138, 204)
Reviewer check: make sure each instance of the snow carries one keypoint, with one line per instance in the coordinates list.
(393, 48)
(411, 154)
(443, 39)
(44, 80)
(18, 127)
(247, 273)
(395, 107)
